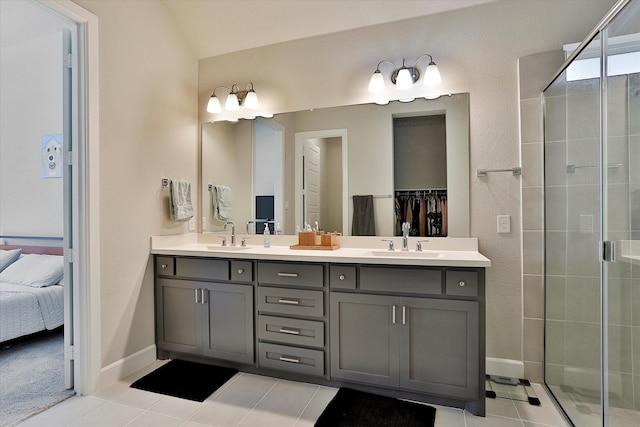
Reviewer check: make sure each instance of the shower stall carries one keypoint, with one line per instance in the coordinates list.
(592, 225)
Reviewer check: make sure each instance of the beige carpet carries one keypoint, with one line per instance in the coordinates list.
(31, 377)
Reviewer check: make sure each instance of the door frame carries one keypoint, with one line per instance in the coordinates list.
(85, 209)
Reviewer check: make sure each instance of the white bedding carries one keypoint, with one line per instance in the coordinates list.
(25, 309)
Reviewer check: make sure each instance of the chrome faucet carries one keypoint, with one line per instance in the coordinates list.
(233, 232)
(419, 245)
(405, 235)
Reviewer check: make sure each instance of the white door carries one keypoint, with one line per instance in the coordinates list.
(311, 183)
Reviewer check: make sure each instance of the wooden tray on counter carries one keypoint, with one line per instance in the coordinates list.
(316, 247)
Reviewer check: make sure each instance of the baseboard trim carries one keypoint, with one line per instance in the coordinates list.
(505, 367)
(127, 366)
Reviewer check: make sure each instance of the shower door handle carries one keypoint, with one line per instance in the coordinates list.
(609, 251)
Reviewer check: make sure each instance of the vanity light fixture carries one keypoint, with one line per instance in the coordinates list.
(404, 77)
(246, 98)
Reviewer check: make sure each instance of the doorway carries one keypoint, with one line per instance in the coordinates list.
(268, 177)
(321, 187)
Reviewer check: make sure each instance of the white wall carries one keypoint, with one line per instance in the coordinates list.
(148, 130)
(476, 50)
(30, 108)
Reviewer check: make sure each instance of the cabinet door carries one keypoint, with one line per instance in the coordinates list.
(177, 326)
(364, 343)
(228, 332)
(439, 347)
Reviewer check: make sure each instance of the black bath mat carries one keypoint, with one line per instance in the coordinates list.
(187, 380)
(356, 408)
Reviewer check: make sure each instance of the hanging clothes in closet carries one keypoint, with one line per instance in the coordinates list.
(425, 210)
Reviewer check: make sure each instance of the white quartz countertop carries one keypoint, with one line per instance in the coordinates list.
(446, 252)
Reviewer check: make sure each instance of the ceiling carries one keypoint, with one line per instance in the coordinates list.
(216, 27)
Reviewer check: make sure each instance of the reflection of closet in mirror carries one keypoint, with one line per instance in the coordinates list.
(420, 175)
(268, 180)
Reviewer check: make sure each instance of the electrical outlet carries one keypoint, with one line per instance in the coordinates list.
(192, 224)
(504, 224)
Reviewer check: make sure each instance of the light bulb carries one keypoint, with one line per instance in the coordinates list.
(403, 79)
(213, 106)
(232, 102)
(251, 100)
(432, 75)
(376, 84)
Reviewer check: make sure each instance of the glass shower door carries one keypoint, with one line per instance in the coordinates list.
(592, 228)
(621, 155)
(573, 212)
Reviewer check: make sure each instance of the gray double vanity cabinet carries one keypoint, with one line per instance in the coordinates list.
(385, 324)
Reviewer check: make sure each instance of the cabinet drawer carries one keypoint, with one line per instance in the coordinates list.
(290, 273)
(242, 271)
(399, 279)
(206, 269)
(285, 358)
(165, 266)
(462, 283)
(291, 301)
(291, 331)
(342, 277)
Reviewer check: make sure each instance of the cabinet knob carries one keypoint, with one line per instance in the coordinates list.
(240, 270)
(461, 283)
(342, 277)
(164, 266)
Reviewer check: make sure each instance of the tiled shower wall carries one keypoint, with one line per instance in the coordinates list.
(535, 72)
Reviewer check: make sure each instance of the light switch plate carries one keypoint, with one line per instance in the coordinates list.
(504, 224)
(192, 224)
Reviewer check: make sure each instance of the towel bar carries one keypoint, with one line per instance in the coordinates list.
(516, 171)
(166, 182)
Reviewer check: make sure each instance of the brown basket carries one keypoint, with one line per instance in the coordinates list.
(307, 238)
(328, 240)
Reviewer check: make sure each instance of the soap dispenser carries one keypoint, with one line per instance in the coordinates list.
(267, 242)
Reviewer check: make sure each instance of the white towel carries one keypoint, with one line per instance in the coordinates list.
(221, 200)
(180, 206)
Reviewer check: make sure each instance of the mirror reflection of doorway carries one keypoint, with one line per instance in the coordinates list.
(311, 177)
(420, 174)
(321, 188)
(268, 180)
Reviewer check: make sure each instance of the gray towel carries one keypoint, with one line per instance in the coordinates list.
(363, 219)
(180, 206)
(221, 199)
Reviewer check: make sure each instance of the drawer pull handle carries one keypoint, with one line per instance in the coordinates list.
(404, 314)
(461, 283)
(164, 266)
(290, 331)
(393, 314)
(197, 297)
(288, 274)
(289, 359)
(342, 277)
(240, 270)
(289, 301)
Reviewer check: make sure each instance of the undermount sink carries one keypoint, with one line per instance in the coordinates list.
(226, 248)
(404, 254)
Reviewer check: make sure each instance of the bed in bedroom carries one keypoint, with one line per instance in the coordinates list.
(31, 290)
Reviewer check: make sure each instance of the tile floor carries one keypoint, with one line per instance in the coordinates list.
(252, 400)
